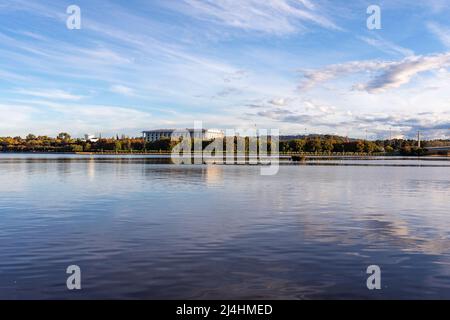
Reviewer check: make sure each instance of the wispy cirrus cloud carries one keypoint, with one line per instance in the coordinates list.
(49, 94)
(123, 90)
(441, 32)
(387, 46)
(272, 17)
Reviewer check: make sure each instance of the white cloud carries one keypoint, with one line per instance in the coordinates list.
(387, 46)
(441, 32)
(78, 119)
(400, 73)
(314, 77)
(49, 94)
(319, 108)
(14, 117)
(104, 55)
(385, 74)
(279, 102)
(274, 17)
(123, 90)
(308, 4)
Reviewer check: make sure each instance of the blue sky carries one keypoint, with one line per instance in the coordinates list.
(295, 65)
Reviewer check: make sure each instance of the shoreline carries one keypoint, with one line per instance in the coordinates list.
(296, 157)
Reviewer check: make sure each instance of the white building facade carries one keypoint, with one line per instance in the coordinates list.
(204, 134)
(90, 138)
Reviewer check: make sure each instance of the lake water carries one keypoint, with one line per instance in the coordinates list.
(141, 228)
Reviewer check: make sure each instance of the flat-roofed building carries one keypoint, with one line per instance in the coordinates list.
(444, 151)
(205, 134)
(90, 138)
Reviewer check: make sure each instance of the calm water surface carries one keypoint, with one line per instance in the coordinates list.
(140, 228)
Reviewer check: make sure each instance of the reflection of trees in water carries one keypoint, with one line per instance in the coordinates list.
(209, 174)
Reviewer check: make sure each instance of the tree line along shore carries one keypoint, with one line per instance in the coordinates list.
(313, 144)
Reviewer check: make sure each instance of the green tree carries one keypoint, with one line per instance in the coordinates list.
(117, 145)
(64, 136)
(313, 145)
(369, 147)
(328, 145)
(76, 148)
(297, 145)
(360, 146)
